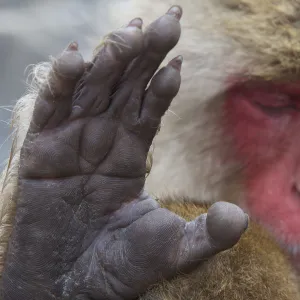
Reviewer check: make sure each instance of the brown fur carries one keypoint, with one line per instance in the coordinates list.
(269, 29)
(254, 269)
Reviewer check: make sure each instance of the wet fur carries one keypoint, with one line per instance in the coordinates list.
(254, 269)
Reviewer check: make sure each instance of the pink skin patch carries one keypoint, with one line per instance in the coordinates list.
(263, 118)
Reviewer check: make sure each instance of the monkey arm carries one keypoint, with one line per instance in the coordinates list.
(84, 227)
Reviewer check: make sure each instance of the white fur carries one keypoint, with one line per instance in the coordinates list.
(9, 179)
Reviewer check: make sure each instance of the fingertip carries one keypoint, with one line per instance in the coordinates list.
(137, 22)
(73, 46)
(163, 89)
(126, 43)
(226, 223)
(70, 63)
(163, 34)
(175, 11)
(166, 83)
(176, 62)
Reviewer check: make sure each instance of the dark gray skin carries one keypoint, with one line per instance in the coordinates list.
(85, 228)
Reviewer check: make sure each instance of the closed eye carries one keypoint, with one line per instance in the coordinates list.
(272, 99)
(273, 102)
(276, 111)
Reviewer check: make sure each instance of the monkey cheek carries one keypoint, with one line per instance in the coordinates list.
(226, 223)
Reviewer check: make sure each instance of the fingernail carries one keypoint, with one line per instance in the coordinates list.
(73, 46)
(177, 62)
(137, 22)
(175, 11)
(76, 113)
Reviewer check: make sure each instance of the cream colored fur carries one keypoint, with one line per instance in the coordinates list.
(9, 179)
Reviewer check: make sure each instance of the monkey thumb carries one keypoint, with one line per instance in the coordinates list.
(218, 230)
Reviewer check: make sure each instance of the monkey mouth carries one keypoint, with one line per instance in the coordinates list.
(294, 257)
(292, 250)
(289, 242)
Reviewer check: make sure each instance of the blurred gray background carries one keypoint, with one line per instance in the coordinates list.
(30, 31)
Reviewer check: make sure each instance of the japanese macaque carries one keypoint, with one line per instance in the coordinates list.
(232, 133)
(76, 222)
(84, 228)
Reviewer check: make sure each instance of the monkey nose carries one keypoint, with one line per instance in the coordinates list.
(296, 188)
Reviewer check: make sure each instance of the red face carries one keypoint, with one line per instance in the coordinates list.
(264, 120)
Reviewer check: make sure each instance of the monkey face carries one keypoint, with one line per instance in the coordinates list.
(264, 120)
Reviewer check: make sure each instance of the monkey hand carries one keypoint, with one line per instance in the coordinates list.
(85, 228)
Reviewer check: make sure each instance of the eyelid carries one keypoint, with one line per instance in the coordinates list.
(276, 111)
(275, 104)
(273, 99)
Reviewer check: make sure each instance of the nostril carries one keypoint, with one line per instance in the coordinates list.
(296, 189)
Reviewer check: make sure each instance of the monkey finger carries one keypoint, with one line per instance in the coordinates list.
(218, 230)
(160, 243)
(163, 88)
(94, 90)
(159, 38)
(54, 98)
